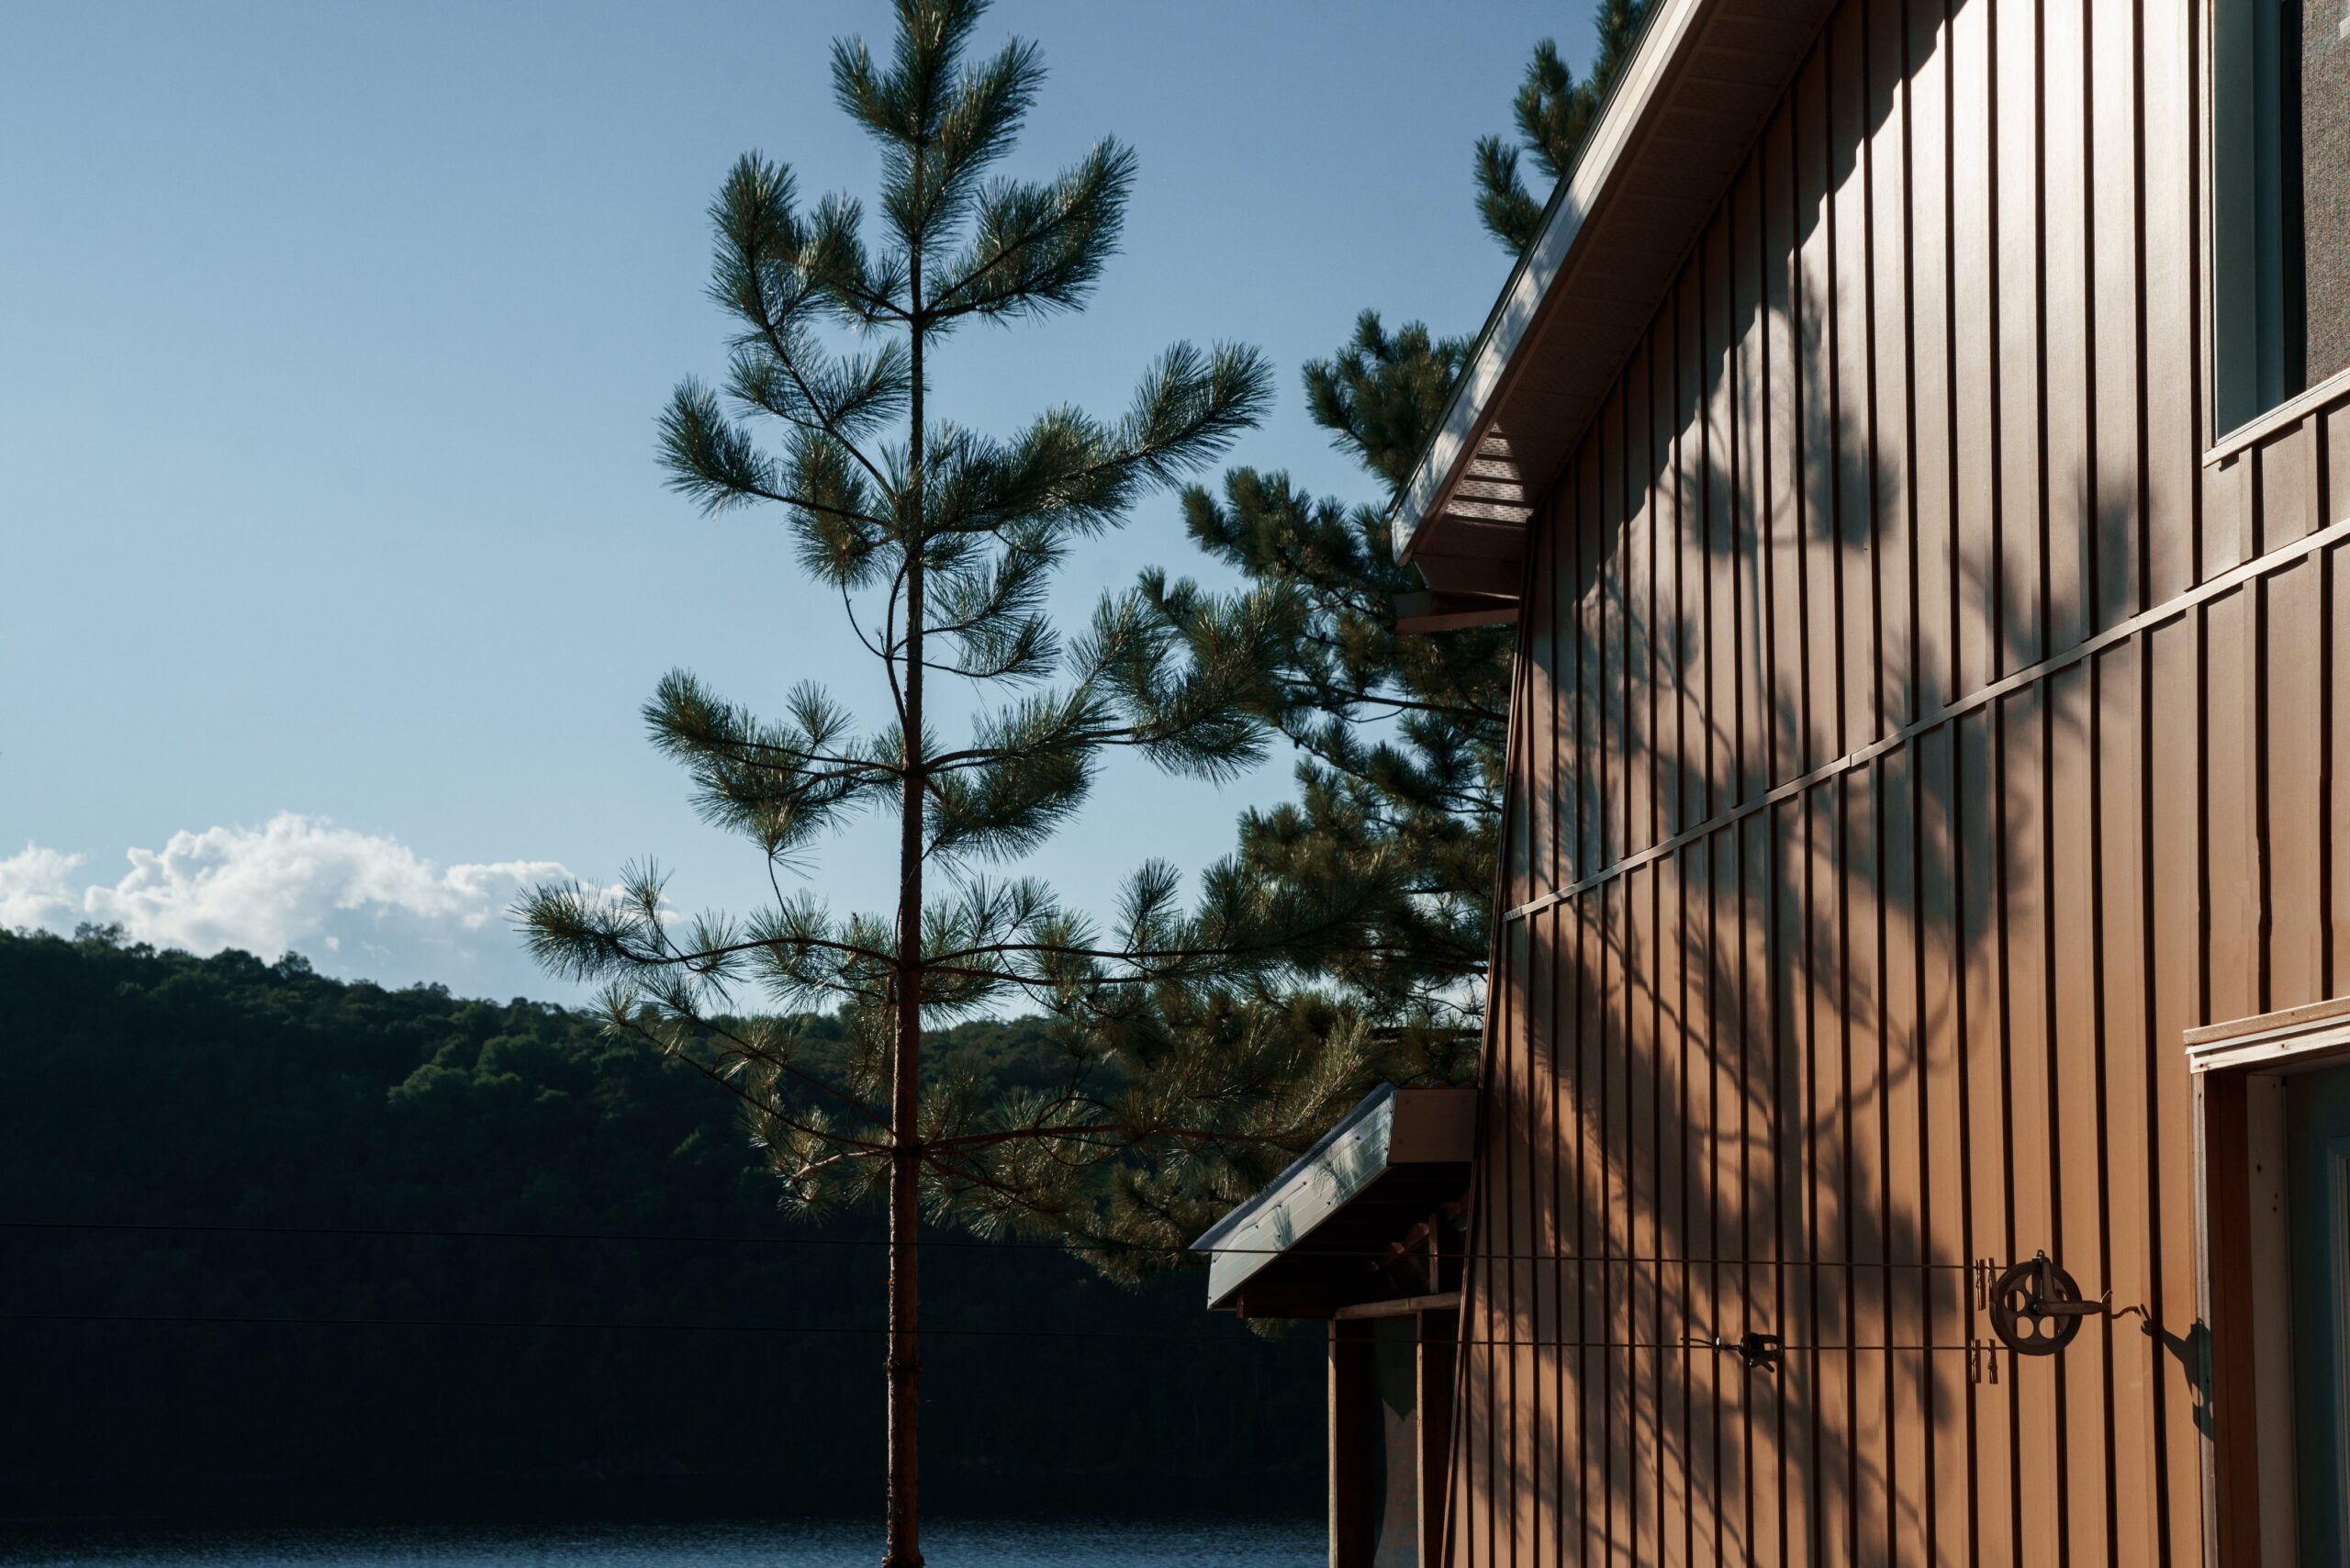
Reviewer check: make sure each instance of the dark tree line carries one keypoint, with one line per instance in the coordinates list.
(156, 1087)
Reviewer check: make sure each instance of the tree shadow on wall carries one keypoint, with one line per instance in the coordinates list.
(1806, 1057)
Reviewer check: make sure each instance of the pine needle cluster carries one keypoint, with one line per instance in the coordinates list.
(1554, 113)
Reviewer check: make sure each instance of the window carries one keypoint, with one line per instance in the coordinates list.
(2273, 1100)
(1390, 1407)
(2318, 1132)
(2280, 200)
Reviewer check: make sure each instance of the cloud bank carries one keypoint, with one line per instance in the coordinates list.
(354, 902)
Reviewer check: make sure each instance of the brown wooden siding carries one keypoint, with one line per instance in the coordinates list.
(1913, 735)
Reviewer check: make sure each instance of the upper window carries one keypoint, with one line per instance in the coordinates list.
(2280, 199)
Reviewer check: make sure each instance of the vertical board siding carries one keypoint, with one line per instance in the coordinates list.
(1913, 736)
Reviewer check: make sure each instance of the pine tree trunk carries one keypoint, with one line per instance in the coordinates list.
(903, 1545)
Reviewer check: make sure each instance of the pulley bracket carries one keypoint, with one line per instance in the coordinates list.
(2036, 1309)
(1759, 1351)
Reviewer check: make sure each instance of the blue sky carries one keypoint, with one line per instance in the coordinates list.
(337, 560)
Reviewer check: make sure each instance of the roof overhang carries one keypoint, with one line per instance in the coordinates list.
(1314, 1240)
(1690, 103)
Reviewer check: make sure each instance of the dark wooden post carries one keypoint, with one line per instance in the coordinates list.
(1353, 1412)
(1437, 1349)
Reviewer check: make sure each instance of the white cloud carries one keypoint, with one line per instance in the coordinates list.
(295, 882)
(36, 888)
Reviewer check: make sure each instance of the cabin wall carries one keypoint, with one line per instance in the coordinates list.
(1914, 734)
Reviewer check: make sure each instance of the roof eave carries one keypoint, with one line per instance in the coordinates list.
(1306, 1244)
(1689, 104)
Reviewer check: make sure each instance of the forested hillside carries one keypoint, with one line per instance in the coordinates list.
(147, 1089)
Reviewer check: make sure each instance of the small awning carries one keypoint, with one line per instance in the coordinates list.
(1317, 1239)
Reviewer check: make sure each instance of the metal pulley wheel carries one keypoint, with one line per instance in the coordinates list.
(2036, 1309)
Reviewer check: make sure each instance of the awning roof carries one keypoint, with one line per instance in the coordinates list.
(1313, 1240)
(1691, 101)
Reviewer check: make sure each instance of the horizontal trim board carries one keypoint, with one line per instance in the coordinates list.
(2271, 1023)
(2335, 388)
(1403, 1306)
(2234, 578)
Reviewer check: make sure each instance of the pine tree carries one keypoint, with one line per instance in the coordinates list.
(1400, 739)
(1424, 794)
(940, 541)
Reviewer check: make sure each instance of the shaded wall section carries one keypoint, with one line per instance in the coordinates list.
(1913, 735)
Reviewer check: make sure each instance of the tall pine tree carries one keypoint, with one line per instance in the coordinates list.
(940, 541)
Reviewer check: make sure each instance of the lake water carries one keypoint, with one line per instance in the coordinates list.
(831, 1544)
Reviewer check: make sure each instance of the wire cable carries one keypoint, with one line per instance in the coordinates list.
(293, 1320)
(279, 1320)
(955, 1243)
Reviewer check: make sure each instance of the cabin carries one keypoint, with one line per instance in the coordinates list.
(1914, 1120)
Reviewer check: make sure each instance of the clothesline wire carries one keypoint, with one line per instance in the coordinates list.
(287, 1320)
(930, 1243)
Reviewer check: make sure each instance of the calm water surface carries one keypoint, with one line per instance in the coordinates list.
(831, 1544)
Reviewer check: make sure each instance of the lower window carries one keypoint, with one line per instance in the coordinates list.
(1390, 1406)
(2273, 1096)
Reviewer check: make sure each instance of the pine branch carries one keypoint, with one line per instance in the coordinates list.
(1039, 248)
(1555, 114)
(711, 461)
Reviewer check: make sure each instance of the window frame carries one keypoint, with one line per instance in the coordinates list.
(1435, 1321)
(2223, 443)
(2244, 1380)
(2337, 1165)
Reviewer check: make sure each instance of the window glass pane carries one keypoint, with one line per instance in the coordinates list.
(2317, 1206)
(1395, 1538)
(2280, 147)
(1375, 1444)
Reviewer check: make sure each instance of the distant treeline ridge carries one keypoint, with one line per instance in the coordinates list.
(148, 1088)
